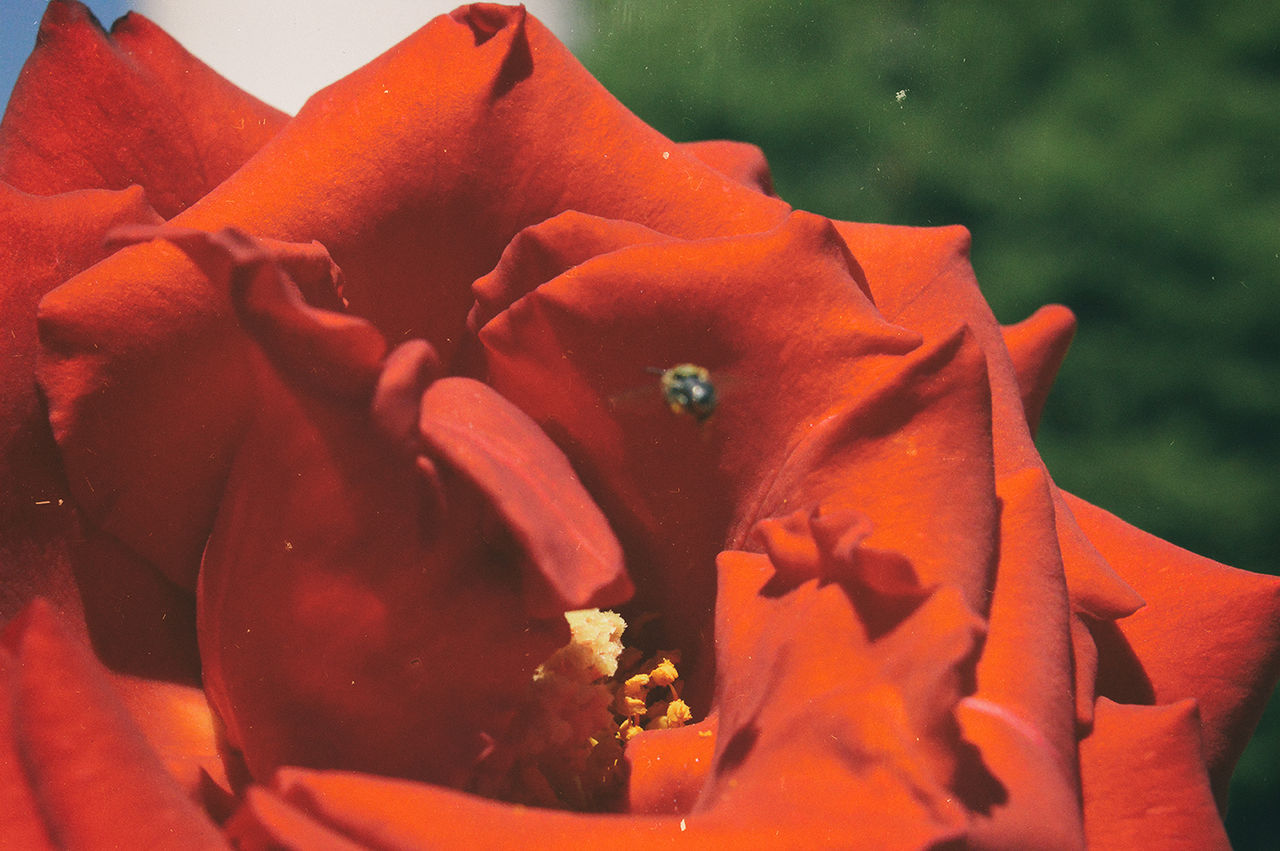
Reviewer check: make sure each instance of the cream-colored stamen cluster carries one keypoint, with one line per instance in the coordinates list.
(585, 702)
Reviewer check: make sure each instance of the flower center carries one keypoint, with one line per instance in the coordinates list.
(584, 703)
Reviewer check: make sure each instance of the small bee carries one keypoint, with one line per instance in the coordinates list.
(688, 389)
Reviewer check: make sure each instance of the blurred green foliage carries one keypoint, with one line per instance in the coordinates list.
(1118, 158)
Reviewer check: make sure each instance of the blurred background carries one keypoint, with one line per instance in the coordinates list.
(1117, 158)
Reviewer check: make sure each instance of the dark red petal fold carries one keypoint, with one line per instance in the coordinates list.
(138, 622)
(920, 421)
(92, 111)
(573, 559)
(42, 241)
(156, 372)
(407, 642)
(328, 351)
(159, 372)
(226, 124)
(97, 782)
(21, 822)
(545, 251)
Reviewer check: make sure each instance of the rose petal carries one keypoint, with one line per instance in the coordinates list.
(174, 362)
(42, 241)
(397, 398)
(1026, 663)
(178, 380)
(741, 161)
(143, 339)
(921, 422)
(20, 818)
(577, 355)
(1208, 632)
(383, 813)
(1145, 784)
(668, 768)
(1098, 596)
(828, 544)
(805, 675)
(266, 823)
(136, 619)
(226, 124)
(921, 278)
(575, 560)
(179, 727)
(1037, 346)
(91, 111)
(408, 643)
(417, 170)
(325, 350)
(802, 694)
(546, 251)
(97, 782)
(1022, 717)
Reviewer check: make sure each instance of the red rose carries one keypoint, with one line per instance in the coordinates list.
(378, 402)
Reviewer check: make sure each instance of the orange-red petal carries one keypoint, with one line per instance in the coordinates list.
(1145, 784)
(1208, 632)
(1037, 346)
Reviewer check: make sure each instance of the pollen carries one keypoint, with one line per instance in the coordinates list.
(677, 714)
(664, 674)
(585, 703)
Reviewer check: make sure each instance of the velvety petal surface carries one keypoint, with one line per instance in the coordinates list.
(921, 278)
(1020, 714)
(381, 168)
(1208, 632)
(156, 374)
(136, 619)
(93, 110)
(1037, 346)
(911, 625)
(850, 392)
(20, 816)
(831, 736)
(1145, 784)
(95, 781)
(743, 162)
(42, 242)
(362, 606)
